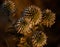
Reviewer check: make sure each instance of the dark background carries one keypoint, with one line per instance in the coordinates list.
(53, 33)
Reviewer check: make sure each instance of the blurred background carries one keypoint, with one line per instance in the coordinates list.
(54, 32)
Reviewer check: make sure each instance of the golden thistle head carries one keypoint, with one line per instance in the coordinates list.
(9, 7)
(48, 18)
(33, 13)
(39, 39)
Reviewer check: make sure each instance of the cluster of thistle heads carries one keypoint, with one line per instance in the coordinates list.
(29, 24)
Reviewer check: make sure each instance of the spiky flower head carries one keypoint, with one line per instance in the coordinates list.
(9, 7)
(31, 17)
(33, 13)
(39, 39)
(48, 18)
(22, 27)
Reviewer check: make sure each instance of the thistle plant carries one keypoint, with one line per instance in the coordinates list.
(30, 24)
(31, 17)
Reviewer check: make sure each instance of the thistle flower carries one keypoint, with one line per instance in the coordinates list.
(31, 17)
(33, 13)
(9, 7)
(39, 39)
(21, 27)
(48, 18)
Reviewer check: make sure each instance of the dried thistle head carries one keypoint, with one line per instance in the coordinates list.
(9, 7)
(48, 18)
(39, 39)
(33, 13)
(31, 17)
(22, 27)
